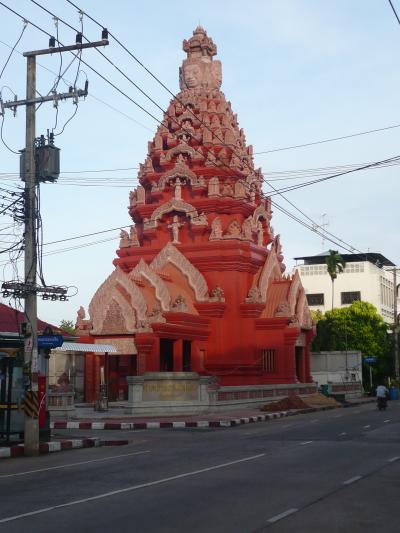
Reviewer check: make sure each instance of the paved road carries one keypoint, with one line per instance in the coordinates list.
(334, 471)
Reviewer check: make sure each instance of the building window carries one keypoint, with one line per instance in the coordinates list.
(315, 299)
(268, 359)
(350, 297)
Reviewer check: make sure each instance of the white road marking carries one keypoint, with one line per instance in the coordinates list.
(313, 421)
(72, 464)
(305, 442)
(393, 459)
(338, 416)
(351, 480)
(282, 515)
(342, 434)
(385, 421)
(129, 489)
(366, 427)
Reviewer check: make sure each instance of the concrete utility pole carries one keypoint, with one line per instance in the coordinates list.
(395, 326)
(30, 289)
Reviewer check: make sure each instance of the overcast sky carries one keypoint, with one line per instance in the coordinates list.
(295, 71)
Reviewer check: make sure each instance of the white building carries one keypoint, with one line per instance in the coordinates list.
(367, 277)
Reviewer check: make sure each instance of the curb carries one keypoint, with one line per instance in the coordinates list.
(181, 424)
(59, 446)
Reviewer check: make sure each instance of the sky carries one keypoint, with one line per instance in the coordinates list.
(296, 72)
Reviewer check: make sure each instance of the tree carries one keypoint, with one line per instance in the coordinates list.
(335, 264)
(357, 327)
(68, 326)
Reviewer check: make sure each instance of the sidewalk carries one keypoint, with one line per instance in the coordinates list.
(114, 419)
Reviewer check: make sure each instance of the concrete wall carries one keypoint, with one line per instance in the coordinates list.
(336, 367)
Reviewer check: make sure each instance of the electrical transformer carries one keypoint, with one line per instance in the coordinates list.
(47, 160)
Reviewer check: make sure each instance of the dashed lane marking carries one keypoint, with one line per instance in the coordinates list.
(385, 421)
(393, 459)
(279, 516)
(129, 489)
(366, 427)
(352, 480)
(73, 464)
(338, 416)
(305, 442)
(342, 434)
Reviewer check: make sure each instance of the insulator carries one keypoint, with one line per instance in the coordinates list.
(52, 42)
(78, 39)
(104, 34)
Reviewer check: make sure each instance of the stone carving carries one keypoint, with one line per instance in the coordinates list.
(270, 272)
(201, 220)
(134, 241)
(207, 136)
(131, 301)
(141, 195)
(211, 160)
(148, 165)
(195, 278)
(162, 293)
(234, 230)
(175, 226)
(124, 241)
(283, 309)
(247, 229)
(132, 198)
(199, 71)
(179, 304)
(213, 187)
(227, 189)
(182, 148)
(217, 294)
(80, 314)
(254, 296)
(216, 229)
(172, 205)
(240, 189)
(178, 189)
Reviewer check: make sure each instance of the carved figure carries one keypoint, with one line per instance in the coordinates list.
(178, 189)
(81, 313)
(141, 195)
(124, 239)
(213, 187)
(217, 294)
(179, 304)
(216, 229)
(240, 189)
(132, 198)
(254, 295)
(174, 226)
(234, 230)
(200, 220)
(247, 229)
(134, 241)
(227, 189)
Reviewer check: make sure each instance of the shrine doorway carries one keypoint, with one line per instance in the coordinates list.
(118, 368)
(166, 355)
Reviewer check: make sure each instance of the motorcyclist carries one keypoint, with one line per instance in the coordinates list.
(382, 394)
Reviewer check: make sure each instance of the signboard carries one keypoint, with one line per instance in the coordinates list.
(50, 341)
(370, 360)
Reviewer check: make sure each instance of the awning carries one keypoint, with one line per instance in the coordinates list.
(81, 347)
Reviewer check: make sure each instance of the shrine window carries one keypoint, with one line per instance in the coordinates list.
(350, 297)
(268, 360)
(315, 299)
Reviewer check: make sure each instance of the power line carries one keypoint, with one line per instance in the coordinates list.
(13, 48)
(394, 11)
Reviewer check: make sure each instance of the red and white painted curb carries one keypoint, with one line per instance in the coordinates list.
(49, 447)
(179, 424)
(58, 446)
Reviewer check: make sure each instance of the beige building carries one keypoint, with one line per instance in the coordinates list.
(367, 277)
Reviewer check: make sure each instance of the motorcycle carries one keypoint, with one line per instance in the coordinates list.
(381, 402)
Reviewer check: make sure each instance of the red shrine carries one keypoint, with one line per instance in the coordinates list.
(199, 283)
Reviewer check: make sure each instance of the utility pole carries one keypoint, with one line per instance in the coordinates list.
(395, 326)
(29, 289)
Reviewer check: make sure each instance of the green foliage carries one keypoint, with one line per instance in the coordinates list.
(335, 264)
(357, 327)
(316, 315)
(68, 326)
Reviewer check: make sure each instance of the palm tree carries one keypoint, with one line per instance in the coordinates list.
(335, 264)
